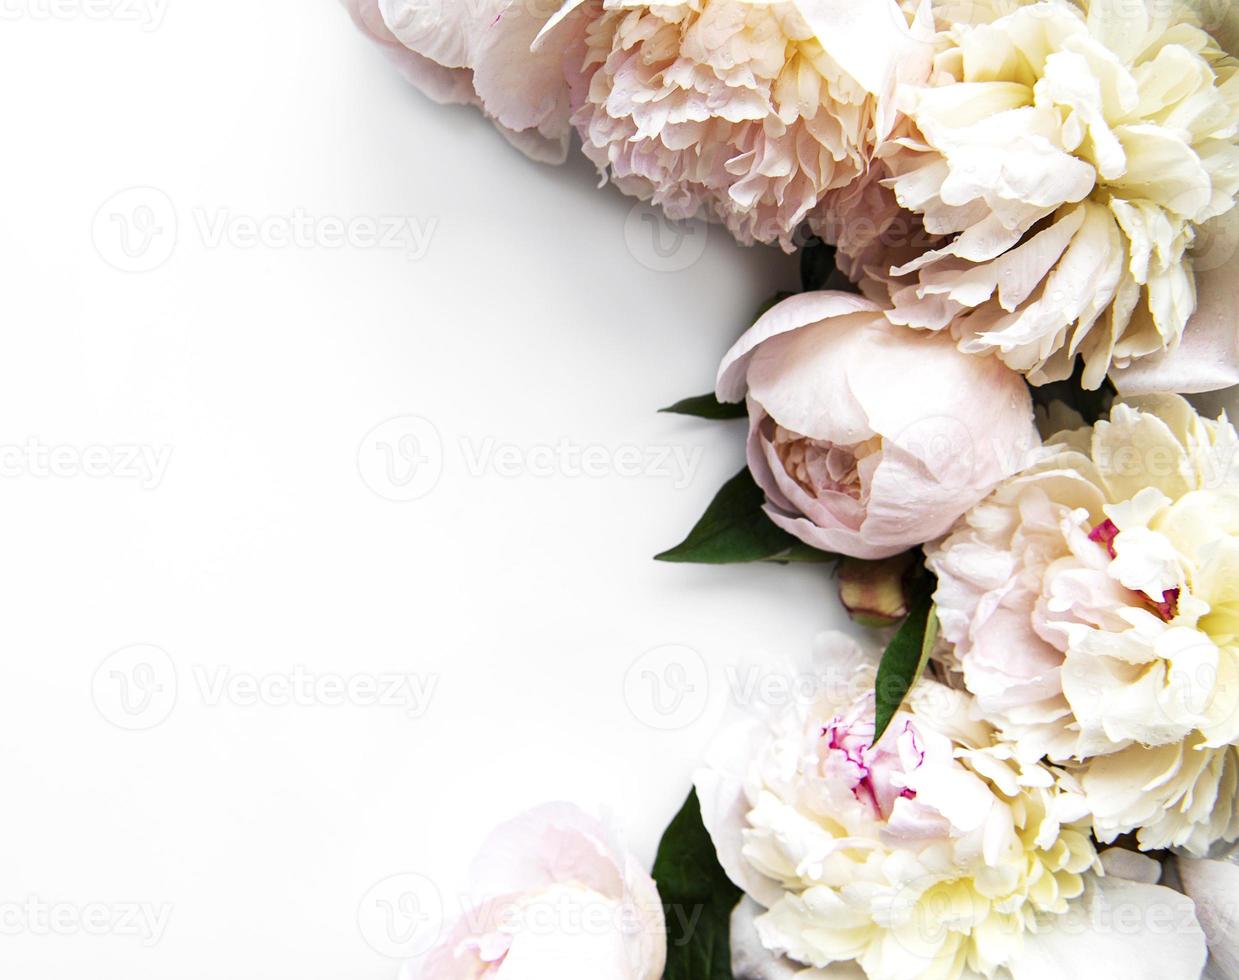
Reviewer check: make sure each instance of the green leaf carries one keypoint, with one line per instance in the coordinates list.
(707, 407)
(817, 264)
(734, 528)
(904, 661)
(698, 899)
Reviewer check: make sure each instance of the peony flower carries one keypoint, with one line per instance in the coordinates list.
(1070, 158)
(1093, 605)
(480, 53)
(1214, 887)
(451, 86)
(935, 853)
(748, 111)
(868, 438)
(557, 901)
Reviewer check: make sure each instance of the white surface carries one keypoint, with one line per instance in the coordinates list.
(523, 599)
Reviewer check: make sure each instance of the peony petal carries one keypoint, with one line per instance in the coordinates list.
(521, 88)
(553, 842)
(793, 313)
(724, 805)
(868, 40)
(1135, 930)
(750, 960)
(1131, 866)
(800, 378)
(1214, 887)
(441, 30)
(447, 86)
(969, 420)
(836, 540)
(1207, 358)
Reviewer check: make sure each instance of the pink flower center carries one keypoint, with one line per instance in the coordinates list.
(822, 467)
(876, 773)
(1104, 534)
(1167, 607)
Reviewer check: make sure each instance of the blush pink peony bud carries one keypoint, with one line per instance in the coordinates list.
(869, 438)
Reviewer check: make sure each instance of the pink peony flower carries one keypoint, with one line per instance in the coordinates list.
(450, 86)
(557, 901)
(480, 53)
(749, 113)
(869, 438)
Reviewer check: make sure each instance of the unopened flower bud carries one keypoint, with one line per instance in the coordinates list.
(875, 592)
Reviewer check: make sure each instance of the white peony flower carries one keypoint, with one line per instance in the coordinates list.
(1093, 604)
(935, 854)
(1069, 157)
(748, 111)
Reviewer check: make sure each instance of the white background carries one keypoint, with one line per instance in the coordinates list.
(533, 312)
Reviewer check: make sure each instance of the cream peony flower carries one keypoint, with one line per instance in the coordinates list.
(852, 463)
(935, 854)
(748, 111)
(1069, 157)
(1093, 604)
(555, 900)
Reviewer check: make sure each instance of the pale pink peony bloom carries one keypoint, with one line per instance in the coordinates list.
(1093, 606)
(1077, 165)
(934, 854)
(869, 438)
(556, 900)
(480, 53)
(450, 86)
(748, 113)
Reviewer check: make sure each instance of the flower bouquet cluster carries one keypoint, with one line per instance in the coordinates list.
(1018, 234)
